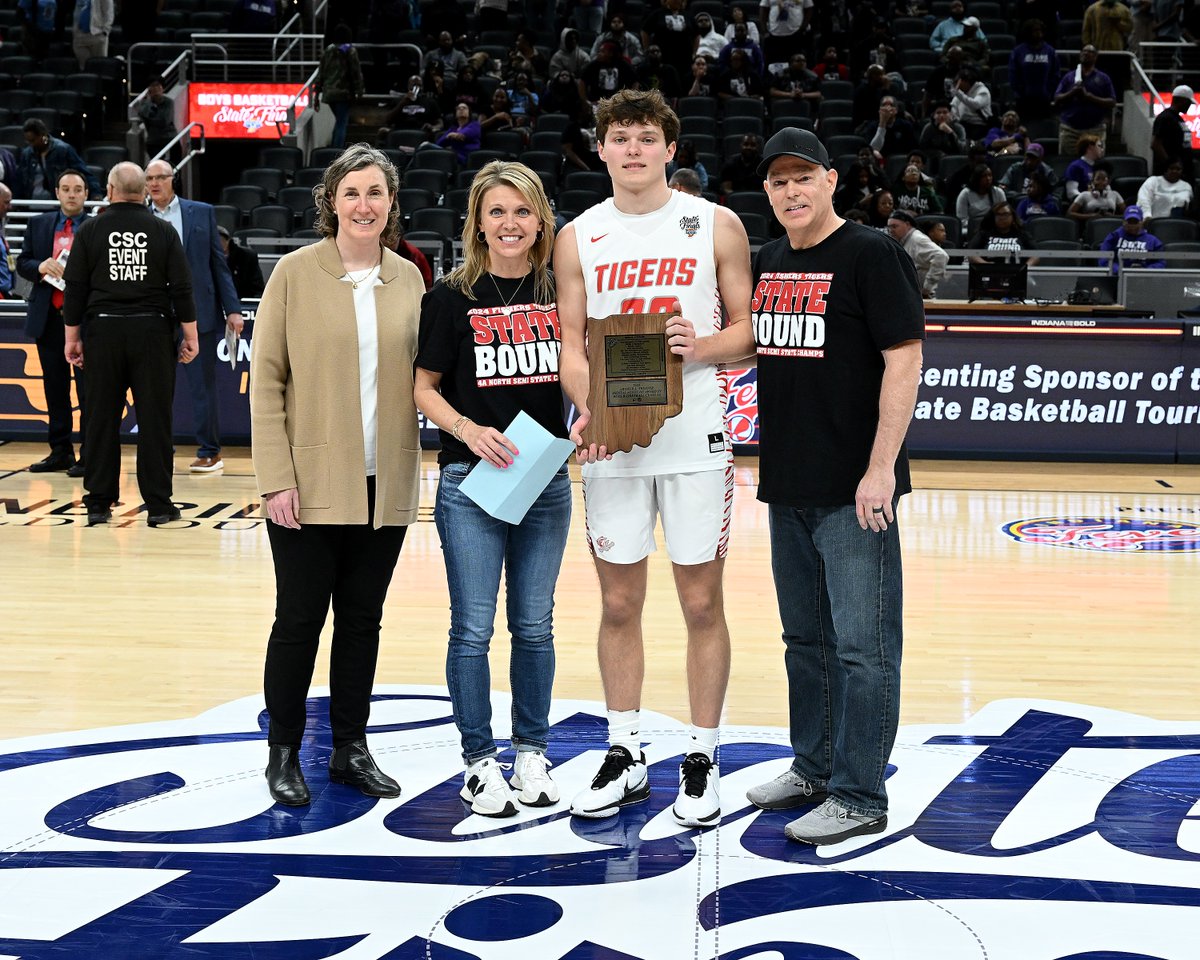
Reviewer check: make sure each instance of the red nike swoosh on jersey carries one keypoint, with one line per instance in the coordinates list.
(599, 238)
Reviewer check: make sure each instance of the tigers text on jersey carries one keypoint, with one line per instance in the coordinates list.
(641, 264)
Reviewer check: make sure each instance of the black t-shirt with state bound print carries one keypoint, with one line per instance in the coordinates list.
(822, 318)
(495, 360)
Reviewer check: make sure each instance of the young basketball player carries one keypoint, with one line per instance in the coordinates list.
(650, 249)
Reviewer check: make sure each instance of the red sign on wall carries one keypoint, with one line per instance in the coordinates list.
(242, 110)
(1191, 118)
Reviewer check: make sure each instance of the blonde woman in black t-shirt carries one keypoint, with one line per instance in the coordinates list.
(488, 350)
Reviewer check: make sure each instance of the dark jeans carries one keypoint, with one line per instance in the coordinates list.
(56, 378)
(202, 385)
(350, 567)
(120, 354)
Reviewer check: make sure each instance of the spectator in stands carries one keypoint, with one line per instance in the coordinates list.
(1099, 199)
(449, 56)
(217, 306)
(943, 133)
(973, 44)
(935, 230)
(499, 114)
(737, 14)
(1000, 230)
(1039, 200)
(44, 158)
(917, 158)
(525, 103)
(562, 95)
(876, 85)
(949, 28)
(954, 183)
(587, 15)
(653, 74)
(1033, 72)
(1171, 138)
(525, 56)
(1084, 100)
(703, 78)
(1167, 21)
(1143, 24)
(469, 90)
(740, 80)
(685, 158)
(854, 188)
(794, 81)
(873, 162)
(686, 180)
(876, 48)
(891, 132)
(579, 140)
(708, 42)
(782, 25)
(157, 113)
(1007, 138)
(464, 136)
(491, 14)
(831, 66)
(608, 73)
(978, 197)
(1132, 236)
(1107, 25)
(1168, 195)
(941, 81)
(929, 259)
(878, 208)
(415, 109)
(92, 22)
(628, 44)
(741, 41)
(741, 172)
(6, 277)
(10, 171)
(569, 56)
(37, 26)
(972, 104)
(914, 196)
(243, 265)
(339, 82)
(256, 16)
(1079, 173)
(1016, 178)
(434, 83)
(414, 256)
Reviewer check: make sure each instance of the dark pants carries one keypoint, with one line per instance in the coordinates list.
(349, 566)
(56, 377)
(120, 354)
(202, 385)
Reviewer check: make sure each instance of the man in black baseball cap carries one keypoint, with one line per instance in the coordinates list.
(794, 142)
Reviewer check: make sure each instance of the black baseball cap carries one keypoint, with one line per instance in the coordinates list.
(794, 142)
(903, 216)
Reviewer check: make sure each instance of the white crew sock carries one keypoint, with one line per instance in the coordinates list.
(704, 740)
(623, 729)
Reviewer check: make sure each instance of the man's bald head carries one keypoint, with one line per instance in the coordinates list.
(5, 199)
(126, 182)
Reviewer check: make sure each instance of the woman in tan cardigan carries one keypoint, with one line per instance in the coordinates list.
(337, 454)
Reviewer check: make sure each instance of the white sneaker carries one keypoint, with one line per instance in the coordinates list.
(620, 781)
(486, 790)
(532, 779)
(699, 800)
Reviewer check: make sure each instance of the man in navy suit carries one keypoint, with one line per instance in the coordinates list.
(215, 296)
(46, 236)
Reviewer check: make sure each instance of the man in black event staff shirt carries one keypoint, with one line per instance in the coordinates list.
(128, 284)
(837, 323)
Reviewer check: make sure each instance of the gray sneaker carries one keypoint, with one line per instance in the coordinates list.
(832, 823)
(787, 790)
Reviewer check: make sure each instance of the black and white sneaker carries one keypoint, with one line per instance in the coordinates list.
(485, 789)
(621, 780)
(699, 800)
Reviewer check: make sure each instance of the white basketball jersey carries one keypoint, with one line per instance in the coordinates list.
(640, 264)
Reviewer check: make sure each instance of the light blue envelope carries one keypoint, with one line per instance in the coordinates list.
(508, 493)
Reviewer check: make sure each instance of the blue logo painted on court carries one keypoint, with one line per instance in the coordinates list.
(1034, 829)
(1108, 534)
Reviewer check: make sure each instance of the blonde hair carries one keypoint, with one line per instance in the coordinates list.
(358, 156)
(505, 173)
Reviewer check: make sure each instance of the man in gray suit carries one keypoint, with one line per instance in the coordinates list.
(215, 297)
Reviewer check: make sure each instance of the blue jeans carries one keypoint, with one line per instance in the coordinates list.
(476, 546)
(840, 601)
(341, 122)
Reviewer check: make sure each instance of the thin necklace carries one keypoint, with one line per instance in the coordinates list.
(354, 282)
(514, 293)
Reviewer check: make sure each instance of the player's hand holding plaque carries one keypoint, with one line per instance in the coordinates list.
(636, 381)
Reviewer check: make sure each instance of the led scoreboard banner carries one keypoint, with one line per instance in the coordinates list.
(242, 110)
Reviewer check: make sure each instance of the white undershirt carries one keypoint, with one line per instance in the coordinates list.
(368, 358)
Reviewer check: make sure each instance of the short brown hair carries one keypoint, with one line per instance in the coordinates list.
(358, 156)
(637, 106)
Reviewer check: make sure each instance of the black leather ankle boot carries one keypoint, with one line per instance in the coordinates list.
(284, 778)
(354, 766)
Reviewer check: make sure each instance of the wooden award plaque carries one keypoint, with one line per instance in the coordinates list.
(636, 381)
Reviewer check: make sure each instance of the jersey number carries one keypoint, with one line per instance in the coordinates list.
(657, 305)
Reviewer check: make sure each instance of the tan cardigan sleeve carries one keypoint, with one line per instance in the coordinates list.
(269, 375)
